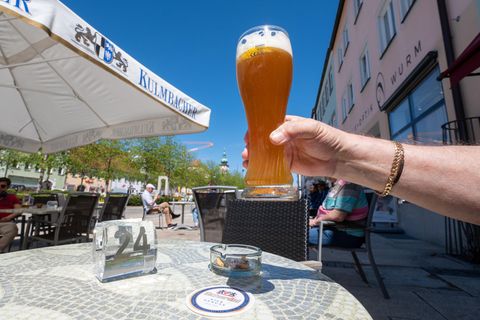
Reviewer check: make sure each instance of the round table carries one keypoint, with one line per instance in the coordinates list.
(59, 283)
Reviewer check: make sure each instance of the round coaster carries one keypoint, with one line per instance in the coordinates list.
(219, 301)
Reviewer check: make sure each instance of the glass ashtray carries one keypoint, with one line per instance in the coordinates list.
(236, 260)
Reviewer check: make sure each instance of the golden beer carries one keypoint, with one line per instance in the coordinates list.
(264, 76)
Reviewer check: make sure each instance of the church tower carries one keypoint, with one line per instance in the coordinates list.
(224, 167)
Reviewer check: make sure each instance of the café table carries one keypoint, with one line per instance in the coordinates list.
(24, 212)
(183, 204)
(58, 283)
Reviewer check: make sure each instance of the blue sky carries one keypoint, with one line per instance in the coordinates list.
(192, 44)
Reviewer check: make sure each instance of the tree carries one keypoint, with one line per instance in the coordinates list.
(10, 158)
(160, 156)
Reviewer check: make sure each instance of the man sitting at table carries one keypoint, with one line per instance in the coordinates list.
(347, 206)
(8, 229)
(148, 201)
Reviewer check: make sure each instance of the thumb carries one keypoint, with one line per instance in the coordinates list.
(290, 130)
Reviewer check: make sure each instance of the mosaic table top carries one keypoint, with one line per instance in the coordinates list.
(59, 283)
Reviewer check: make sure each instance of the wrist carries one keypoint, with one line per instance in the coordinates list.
(364, 160)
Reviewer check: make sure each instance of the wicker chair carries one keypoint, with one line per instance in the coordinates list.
(278, 227)
(211, 203)
(114, 206)
(73, 224)
(372, 200)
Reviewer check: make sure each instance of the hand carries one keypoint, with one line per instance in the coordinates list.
(313, 222)
(311, 147)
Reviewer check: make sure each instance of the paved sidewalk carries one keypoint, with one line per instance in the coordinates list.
(423, 282)
(137, 212)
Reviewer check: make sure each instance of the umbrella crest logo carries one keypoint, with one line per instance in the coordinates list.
(102, 47)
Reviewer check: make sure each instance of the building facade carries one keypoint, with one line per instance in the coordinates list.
(28, 177)
(386, 57)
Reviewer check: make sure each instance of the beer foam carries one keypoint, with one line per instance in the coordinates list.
(265, 37)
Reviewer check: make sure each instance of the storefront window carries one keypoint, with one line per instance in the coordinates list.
(400, 117)
(428, 128)
(419, 117)
(428, 93)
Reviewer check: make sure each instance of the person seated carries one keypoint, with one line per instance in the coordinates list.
(317, 193)
(149, 204)
(347, 206)
(8, 229)
(168, 212)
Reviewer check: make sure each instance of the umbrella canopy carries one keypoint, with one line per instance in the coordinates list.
(63, 84)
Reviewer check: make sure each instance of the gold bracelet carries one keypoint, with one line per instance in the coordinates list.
(395, 171)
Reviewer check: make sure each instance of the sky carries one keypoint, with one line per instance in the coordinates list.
(192, 45)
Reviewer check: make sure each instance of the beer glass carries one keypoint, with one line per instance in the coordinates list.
(264, 76)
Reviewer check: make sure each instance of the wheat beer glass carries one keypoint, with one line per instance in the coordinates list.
(264, 76)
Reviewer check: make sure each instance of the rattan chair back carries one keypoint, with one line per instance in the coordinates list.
(278, 227)
(113, 207)
(211, 202)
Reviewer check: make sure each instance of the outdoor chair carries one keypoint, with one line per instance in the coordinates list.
(43, 198)
(72, 225)
(113, 207)
(278, 227)
(211, 202)
(146, 210)
(367, 247)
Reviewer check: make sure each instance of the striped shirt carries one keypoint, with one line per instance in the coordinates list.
(351, 200)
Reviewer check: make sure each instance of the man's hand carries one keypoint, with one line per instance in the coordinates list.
(313, 223)
(311, 147)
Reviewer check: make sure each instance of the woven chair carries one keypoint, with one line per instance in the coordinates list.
(278, 227)
(73, 223)
(211, 202)
(113, 207)
(372, 201)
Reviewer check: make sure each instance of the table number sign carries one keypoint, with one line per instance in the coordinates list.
(124, 248)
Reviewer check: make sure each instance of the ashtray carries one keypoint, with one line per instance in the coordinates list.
(236, 260)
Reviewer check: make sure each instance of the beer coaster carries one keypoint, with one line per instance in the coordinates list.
(219, 301)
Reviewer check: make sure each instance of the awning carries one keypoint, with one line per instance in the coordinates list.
(465, 64)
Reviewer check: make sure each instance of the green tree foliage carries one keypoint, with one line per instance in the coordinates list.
(136, 160)
(10, 158)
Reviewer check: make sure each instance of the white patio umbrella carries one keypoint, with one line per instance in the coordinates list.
(63, 84)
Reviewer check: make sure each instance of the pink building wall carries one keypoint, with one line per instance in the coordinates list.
(418, 34)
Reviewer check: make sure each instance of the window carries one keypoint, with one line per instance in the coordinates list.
(351, 96)
(405, 6)
(346, 40)
(364, 67)
(344, 106)
(340, 58)
(357, 5)
(330, 82)
(419, 117)
(386, 23)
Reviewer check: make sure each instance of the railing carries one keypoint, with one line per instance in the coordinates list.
(466, 131)
(462, 239)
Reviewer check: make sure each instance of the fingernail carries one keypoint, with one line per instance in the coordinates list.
(278, 137)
